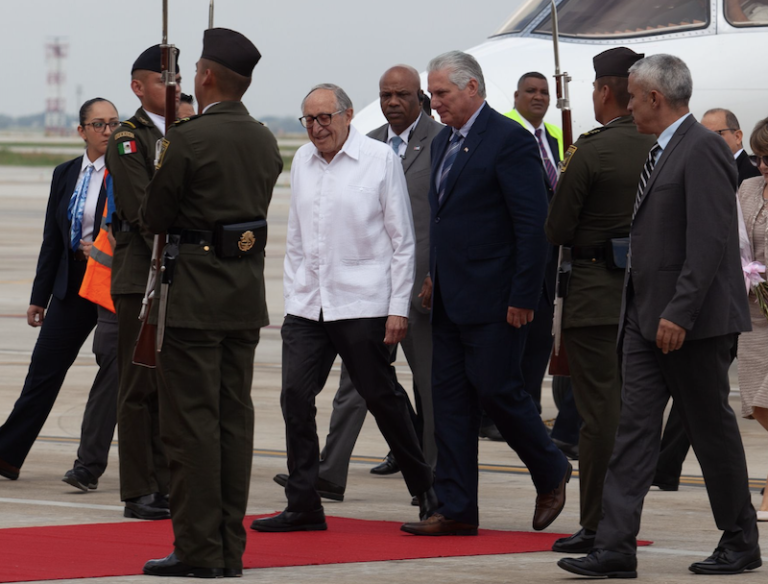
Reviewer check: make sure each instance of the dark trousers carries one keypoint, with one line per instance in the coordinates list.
(207, 428)
(674, 449)
(309, 349)
(65, 328)
(538, 347)
(474, 366)
(594, 367)
(100, 415)
(696, 377)
(347, 418)
(143, 465)
(568, 421)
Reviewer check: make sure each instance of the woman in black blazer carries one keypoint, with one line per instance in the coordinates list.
(69, 318)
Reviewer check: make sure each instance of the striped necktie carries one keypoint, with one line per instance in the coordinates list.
(77, 207)
(450, 158)
(548, 166)
(644, 176)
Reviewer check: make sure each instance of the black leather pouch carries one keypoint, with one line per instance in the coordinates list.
(616, 252)
(236, 240)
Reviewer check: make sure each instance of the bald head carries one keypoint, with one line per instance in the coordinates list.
(399, 90)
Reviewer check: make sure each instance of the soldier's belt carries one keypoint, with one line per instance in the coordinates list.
(230, 240)
(593, 252)
(613, 252)
(121, 225)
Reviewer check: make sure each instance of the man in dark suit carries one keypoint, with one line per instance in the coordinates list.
(682, 310)
(674, 442)
(409, 132)
(487, 256)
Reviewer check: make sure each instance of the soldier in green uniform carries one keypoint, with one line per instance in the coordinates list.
(130, 159)
(590, 212)
(210, 193)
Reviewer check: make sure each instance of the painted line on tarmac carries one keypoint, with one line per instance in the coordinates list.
(62, 504)
(671, 552)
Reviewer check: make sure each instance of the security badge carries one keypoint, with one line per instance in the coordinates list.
(160, 147)
(247, 239)
(567, 158)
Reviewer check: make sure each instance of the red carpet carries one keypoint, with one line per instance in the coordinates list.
(120, 549)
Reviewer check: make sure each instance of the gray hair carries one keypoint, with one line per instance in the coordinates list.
(342, 99)
(730, 118)
(668, 75)
(462, 67)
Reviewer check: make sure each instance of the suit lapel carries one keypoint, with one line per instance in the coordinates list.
(439, 146)
(416, 145)
(471, 142)
(554, 147)
(677, 137)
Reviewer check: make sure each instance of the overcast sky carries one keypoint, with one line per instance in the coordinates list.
(302, 42)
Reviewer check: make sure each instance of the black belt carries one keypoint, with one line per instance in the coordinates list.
(194, 236)
(126, 226)
(588, 252)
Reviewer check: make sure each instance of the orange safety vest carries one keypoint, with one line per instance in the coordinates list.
(97, 282)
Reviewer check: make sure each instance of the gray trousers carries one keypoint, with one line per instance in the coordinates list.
(100, 414)
(349, 409)
(696, 377)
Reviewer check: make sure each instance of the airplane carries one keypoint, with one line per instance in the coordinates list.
(715, 38)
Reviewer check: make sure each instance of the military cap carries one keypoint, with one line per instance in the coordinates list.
(151, 60)
(230, 49)
(615, 62)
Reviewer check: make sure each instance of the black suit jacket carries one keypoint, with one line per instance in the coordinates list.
(745, 167)
(487, 243)
(53, 264)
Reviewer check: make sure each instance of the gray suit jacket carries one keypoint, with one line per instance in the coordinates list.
(685, 242)
(416, 165)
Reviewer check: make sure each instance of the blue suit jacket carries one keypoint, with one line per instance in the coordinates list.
(487, 245)
(52, 277)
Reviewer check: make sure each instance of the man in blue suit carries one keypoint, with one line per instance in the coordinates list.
(487, 256)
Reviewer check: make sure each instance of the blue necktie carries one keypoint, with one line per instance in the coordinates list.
(450, 158)
(548, 166)
(76, 208)
(395, 143)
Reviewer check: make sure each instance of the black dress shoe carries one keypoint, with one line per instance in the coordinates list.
(233, 572)
(491, 432)
(152, 506)
(602, 564)
(570, 450)
(326, 489)
(8, 471)
(580, 542)
(725, 562)
(292, 521)
(387, 467)
(173, 566)
(428, 504)
(81, 479)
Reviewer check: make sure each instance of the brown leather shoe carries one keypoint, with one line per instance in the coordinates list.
(439, 525)
(549, 505)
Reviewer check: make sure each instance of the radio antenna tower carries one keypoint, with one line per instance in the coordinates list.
(55, 111)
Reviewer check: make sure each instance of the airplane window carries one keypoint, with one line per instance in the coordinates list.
(747, 12)
(604, 19)
(522, 16)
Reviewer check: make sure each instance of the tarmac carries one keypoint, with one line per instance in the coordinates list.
(679, 523)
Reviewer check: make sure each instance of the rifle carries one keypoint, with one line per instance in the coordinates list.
(558, 363)
(150, 340)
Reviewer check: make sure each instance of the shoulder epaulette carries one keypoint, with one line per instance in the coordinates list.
(594, 132)
(185, 120)
(129, 123)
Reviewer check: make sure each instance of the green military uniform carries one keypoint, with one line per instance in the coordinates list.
(217, 168)
(130, 160)
(593, 203)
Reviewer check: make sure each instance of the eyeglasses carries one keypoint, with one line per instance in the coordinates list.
(322, 119)
(101, 126)
(720, 132)
(759, 159)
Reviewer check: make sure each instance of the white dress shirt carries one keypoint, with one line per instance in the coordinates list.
(92, 197)
(404, 136)
(529, 126)
(350, 250)
(159, 121)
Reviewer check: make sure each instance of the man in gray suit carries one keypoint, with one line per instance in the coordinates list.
(410, 133)
(682, 310)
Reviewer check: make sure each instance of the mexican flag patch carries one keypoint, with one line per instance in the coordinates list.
(127, 147)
